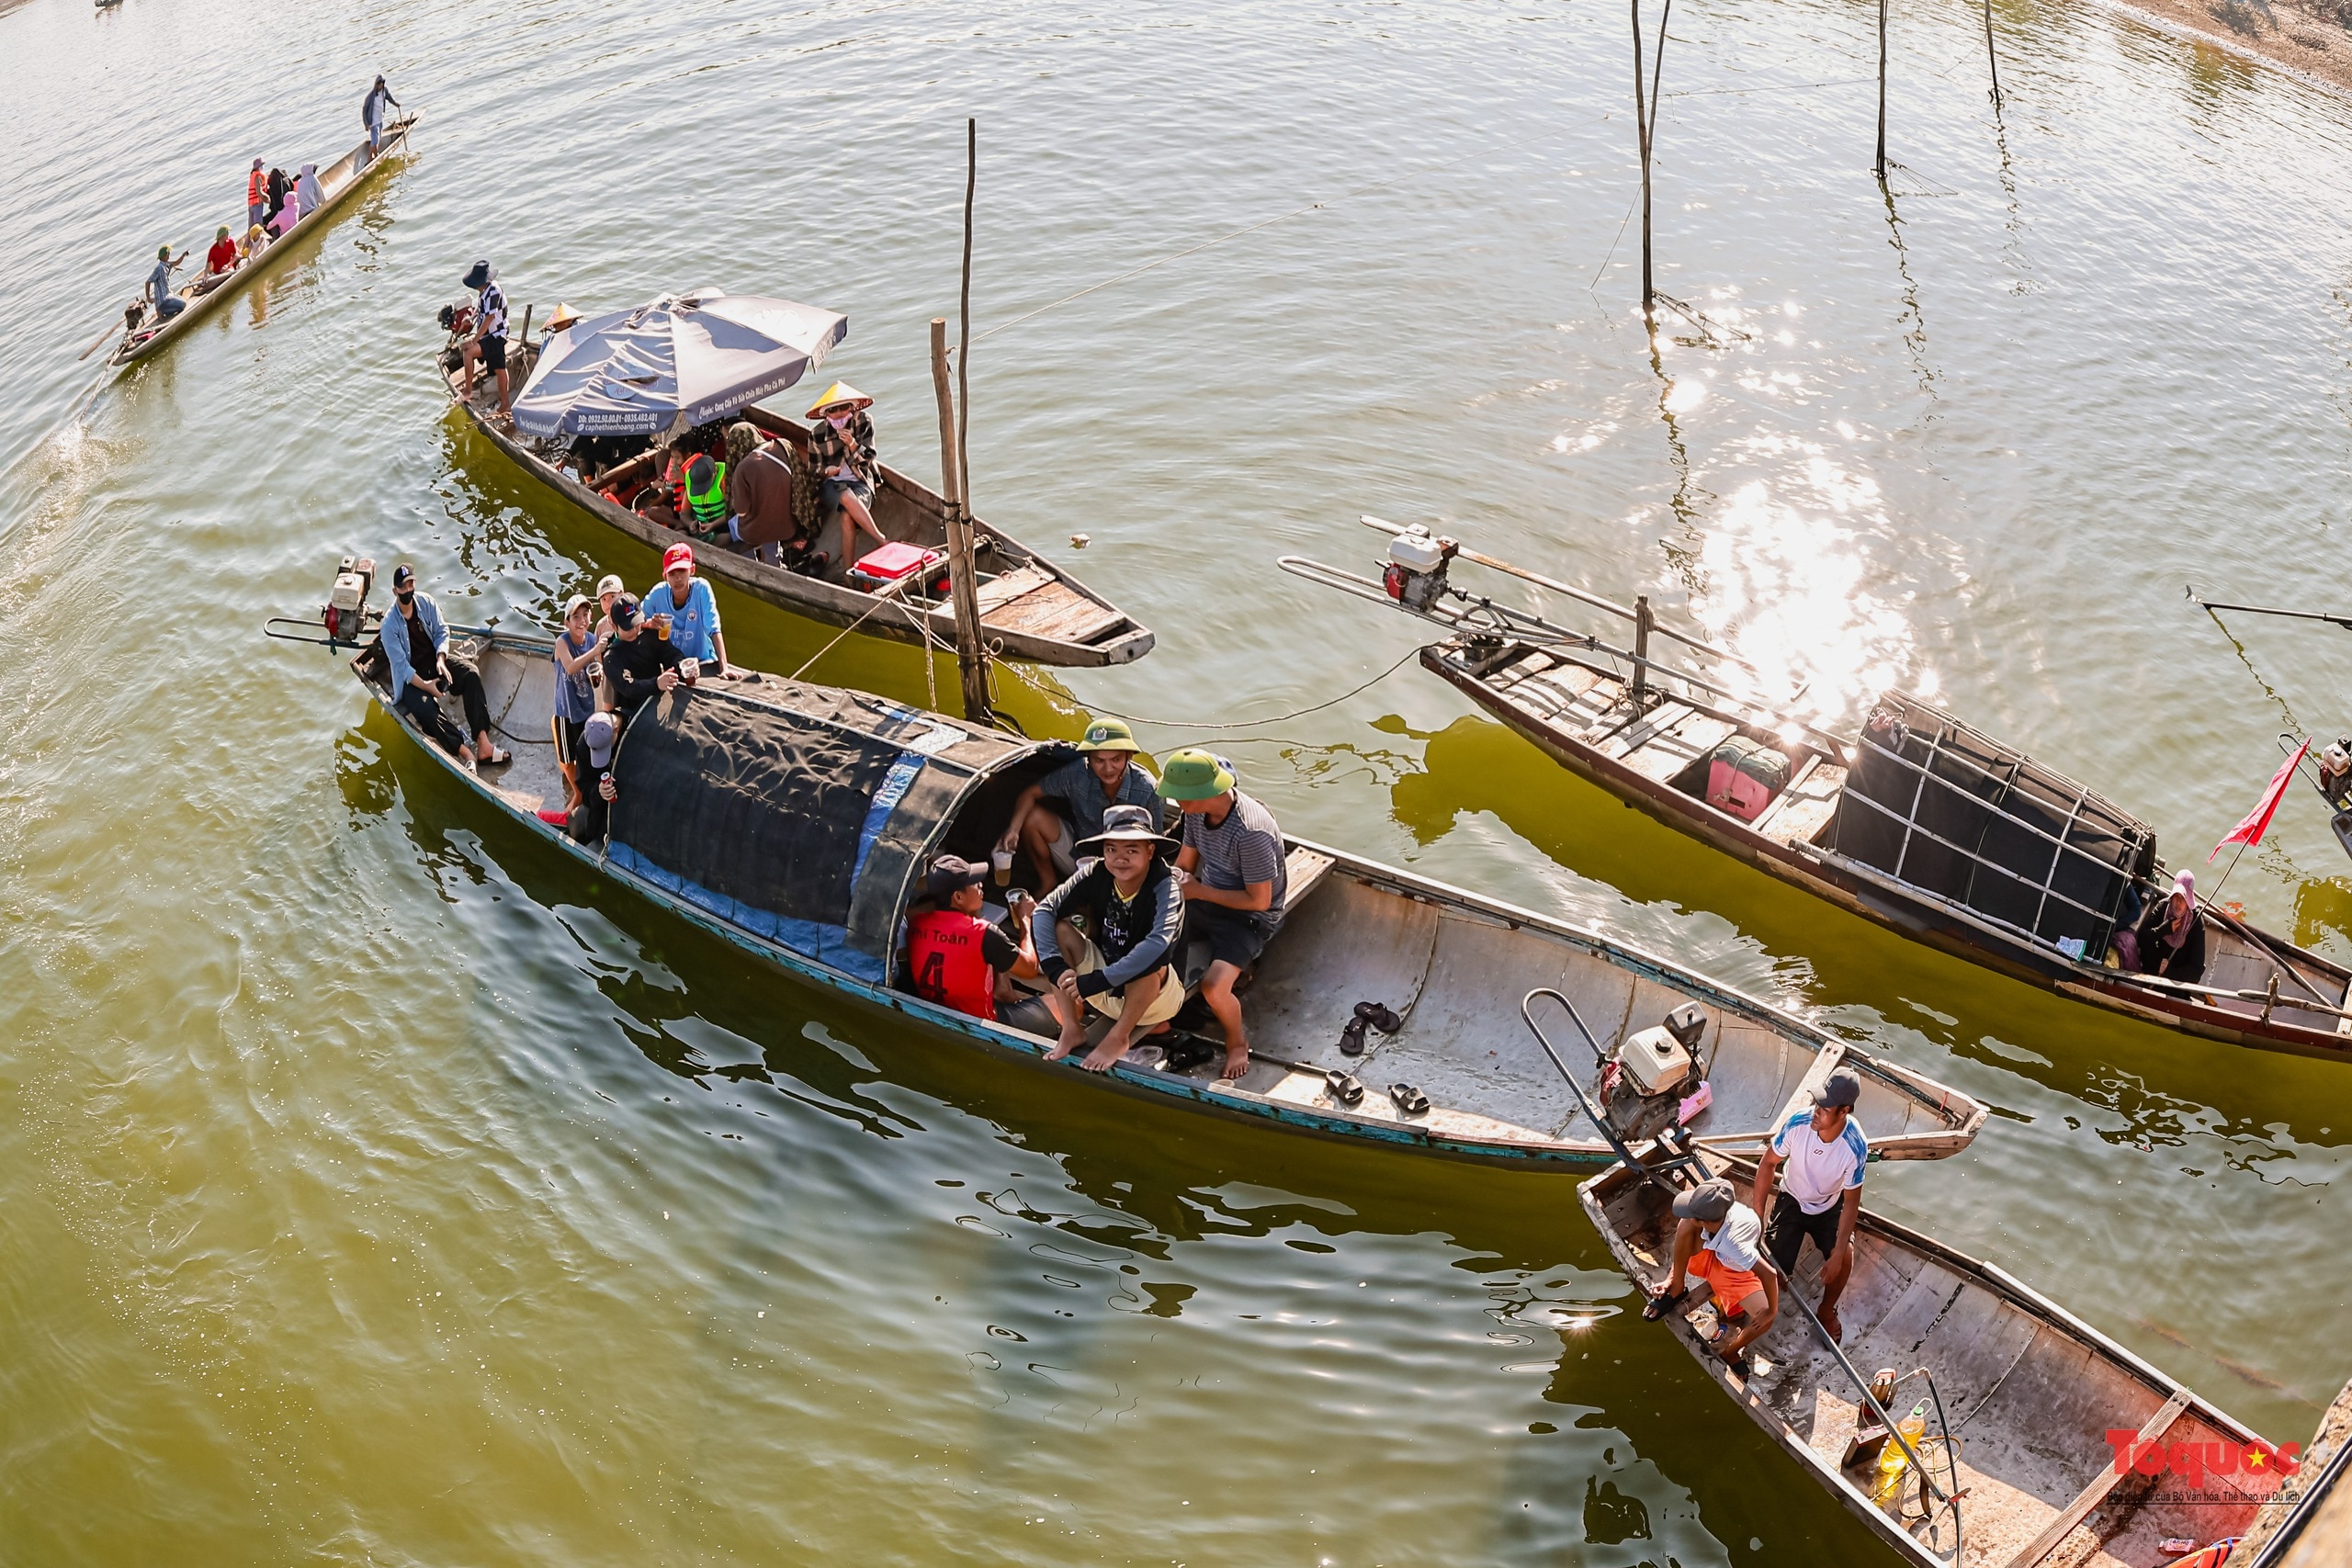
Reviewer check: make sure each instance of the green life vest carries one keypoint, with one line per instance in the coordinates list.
(708, 506)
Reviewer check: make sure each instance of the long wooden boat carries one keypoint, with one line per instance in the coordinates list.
(337, 182)
(2020, 1396)
(1916, 822)
(794, 821)
(1032, 610)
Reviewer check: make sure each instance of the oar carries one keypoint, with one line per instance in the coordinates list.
(112, 328)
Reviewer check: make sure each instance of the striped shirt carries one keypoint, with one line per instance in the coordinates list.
(1246, 847)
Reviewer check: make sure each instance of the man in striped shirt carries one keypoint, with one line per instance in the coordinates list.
(488, 345)
(1234, 885)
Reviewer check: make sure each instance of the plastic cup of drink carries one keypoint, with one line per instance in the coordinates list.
(1000, 863)
(689, 671)
(596, 669)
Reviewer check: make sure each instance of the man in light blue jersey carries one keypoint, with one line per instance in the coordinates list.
(1819, 1155)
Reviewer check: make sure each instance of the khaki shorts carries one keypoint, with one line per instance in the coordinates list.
(1087, 961)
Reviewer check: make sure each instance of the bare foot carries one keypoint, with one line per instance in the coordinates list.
(1106, 1056)
(1829, 1316)
(1237, 1061)
(1065, 1045)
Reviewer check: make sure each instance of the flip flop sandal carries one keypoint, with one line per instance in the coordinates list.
(1657, 1306)
(1352, 1039)
(1409, 1100)
(1379, 1017)
(1345, 1086)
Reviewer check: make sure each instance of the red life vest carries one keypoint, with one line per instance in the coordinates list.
(945, 964)
(253, 183)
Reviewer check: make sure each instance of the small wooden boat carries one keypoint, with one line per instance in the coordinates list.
(337, 182)
(794, 821)
(1916, 822)
(2020, 1396)
(1032, 610)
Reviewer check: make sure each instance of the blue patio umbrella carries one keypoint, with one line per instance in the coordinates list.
(694, 358)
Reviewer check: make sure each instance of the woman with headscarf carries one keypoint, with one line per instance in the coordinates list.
(2172, 936)
(278, 185)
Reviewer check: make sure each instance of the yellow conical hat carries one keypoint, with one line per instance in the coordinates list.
(839, 392)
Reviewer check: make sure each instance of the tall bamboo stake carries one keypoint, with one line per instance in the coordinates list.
(971, 662)
(1880, 162)
(1992, 57)
(1642, 133)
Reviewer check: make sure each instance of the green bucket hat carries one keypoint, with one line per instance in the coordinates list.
(1194, 774)
(1108, 735)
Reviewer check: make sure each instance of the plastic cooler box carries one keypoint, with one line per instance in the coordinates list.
(893, 562)
(1743, 777)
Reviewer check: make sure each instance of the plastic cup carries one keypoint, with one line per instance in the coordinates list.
(1001, 866)
(689, 671)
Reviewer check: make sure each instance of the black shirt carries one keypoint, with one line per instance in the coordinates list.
(632, 668)
(592, 816)
(2185, 963)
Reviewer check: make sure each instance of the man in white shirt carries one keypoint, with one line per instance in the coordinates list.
(1819, 1156)
(1716, 1239)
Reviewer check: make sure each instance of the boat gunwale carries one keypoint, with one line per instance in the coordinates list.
(2028, 962)
(833, 603)
(204, 304)
(1969, 1114)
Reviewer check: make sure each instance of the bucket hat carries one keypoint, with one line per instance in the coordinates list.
(1128, 824)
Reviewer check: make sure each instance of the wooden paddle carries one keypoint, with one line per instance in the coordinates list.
(112, 328)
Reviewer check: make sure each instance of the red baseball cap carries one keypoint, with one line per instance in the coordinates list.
(678, 554)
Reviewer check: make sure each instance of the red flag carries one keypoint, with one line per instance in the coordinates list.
(2257, 821)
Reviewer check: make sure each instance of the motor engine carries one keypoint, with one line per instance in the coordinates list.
(345, 614)
(1657, 1060)
(1415, 573)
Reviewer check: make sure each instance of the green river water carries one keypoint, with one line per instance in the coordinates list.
(375, 1188)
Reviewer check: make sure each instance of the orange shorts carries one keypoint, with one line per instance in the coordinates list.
(1731, 1286)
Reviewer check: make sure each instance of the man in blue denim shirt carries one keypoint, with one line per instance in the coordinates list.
(423, 671)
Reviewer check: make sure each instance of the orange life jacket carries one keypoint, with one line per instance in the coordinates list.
(945, 964)
(255, 183)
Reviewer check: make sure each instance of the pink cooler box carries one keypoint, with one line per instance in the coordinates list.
(893, 562)
(1730, 790)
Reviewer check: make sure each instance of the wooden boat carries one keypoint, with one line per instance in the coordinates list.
(1916, 822)
(794, 821)
(337, 182)
(2020, 1396)
(1032, 610)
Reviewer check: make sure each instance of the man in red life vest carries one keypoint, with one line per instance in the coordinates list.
(955, 958)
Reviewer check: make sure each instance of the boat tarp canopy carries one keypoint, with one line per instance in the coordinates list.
(695, 357)
(1959, 816)
(801, 814)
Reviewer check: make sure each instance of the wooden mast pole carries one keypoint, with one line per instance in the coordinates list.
(954, 430)
(1991, 55)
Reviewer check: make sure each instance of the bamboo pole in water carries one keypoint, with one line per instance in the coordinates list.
(1879, 161)
(971, 662)
(1642, 134)
(1992, 56)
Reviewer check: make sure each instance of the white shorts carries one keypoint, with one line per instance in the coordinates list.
(1087, 960)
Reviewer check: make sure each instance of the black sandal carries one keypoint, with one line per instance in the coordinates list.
(1409, 1100)
(1345, 1086)
(1379, 1017)
(1658, 1305)
(1351, 1038)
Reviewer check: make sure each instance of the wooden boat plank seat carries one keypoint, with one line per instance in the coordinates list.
(1805, 807)
(1054, 609)
(1567, 694)
(1008, 586)
(1667, 751)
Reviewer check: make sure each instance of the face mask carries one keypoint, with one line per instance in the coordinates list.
(838, 420)
(405, 594)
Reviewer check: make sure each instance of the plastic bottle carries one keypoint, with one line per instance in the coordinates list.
(1892, 1459)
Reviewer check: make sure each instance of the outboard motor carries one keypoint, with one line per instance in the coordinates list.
(344, 615)
(1654, 1068)
(1415, 573)
(458, 321)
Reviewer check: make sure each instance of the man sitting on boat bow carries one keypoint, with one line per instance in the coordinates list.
(1715, 1243)
(1819, 1156)
(1105, 937)
(422, 670)
(1103, 775)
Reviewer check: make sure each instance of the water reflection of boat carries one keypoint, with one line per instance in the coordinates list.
(1031, 608)
(1916, 822)
(2020, 1396)
(794, 821)
(337, 182)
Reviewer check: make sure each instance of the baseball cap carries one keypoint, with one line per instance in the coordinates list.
(1707, 1202)
(624, 612)
(577, 602)
(598, 735)
(610, 583)
(1840, 1087)
(952, 873)
(402, 575)
(678, 554)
